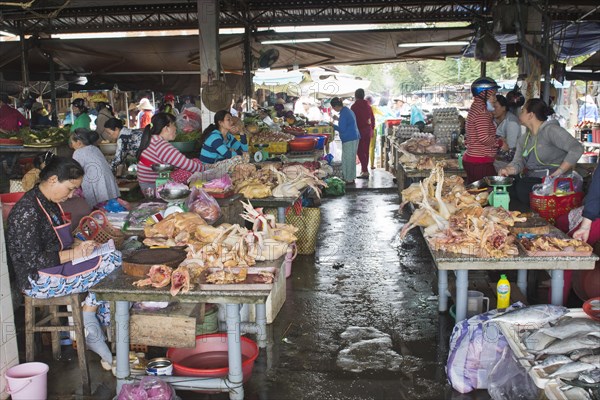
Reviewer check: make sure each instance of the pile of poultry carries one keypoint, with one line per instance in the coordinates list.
(225, 252)
(423, 146)
(456, 221)
(415, 154)
(269, 180)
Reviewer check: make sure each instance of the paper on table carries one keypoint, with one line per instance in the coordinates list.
(98, 251)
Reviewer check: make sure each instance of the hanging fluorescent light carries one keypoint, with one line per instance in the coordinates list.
(435, 44)
(295, 41)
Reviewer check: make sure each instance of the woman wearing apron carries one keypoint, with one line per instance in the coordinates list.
(546, 149)
(39, 243)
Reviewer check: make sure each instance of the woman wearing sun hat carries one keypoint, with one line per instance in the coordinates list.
(146, 112)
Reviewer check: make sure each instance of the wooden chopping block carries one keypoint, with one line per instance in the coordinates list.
(140, 262)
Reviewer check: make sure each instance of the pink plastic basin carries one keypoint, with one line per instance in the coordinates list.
(209, 357)
(8, 201)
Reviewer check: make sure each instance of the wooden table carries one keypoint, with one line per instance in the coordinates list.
(118, 287)
(461, 264)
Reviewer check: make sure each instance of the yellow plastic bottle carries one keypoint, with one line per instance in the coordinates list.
(503, 292)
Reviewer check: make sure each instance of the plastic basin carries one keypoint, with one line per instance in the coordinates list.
(209, 358)
(301, 144)
(108, 149)
(8, 201)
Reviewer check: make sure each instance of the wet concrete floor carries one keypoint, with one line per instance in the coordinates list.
(360, 276)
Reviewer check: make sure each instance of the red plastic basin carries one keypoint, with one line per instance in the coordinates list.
(209, 357)
(303, 144)
(8, 201)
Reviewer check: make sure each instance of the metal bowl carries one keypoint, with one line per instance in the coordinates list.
(479, 185)
(174, 194)
(499, 180)
(162, 167)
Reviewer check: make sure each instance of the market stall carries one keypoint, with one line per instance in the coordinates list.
(464, 233)
(119, 287)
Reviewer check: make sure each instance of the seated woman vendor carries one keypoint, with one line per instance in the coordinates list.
(156, 149)
(40, 245)
(546, 149)
(218, 143)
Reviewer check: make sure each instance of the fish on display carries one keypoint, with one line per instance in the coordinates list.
(577, 354)
(571, 370)
(570, 344)
(536, 315)
(576, 392)
(592, 376)
(550, 361)
(538, 341)
(591, 359)
(574, 327)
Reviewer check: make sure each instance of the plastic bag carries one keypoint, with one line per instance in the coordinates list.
(559, 185)
(189, 120)
(148, 388)
(137, 217)
(475, 348)
(510, 381)
(335, 187)
(204, 205)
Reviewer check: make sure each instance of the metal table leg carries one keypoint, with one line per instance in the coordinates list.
(557, 286)
(442, 290)
(261, 321)
(522, 281)
(281, 215)
(462, 285)
(122, 334)
(234, 350)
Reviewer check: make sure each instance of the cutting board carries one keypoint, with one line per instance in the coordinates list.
(138, 264)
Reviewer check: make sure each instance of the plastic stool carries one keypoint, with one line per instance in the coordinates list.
(51, 323)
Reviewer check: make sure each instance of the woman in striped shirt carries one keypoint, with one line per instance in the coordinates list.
(218, 143)
(156, 149)
(481, 140)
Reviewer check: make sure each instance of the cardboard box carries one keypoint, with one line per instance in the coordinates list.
(173, 326)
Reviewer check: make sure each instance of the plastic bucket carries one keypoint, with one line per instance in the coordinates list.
(211, 321)
(290, 255)
(8, 201)
(27, 381)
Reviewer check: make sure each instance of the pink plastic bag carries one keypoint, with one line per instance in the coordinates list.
(204, 205)
(148, 388)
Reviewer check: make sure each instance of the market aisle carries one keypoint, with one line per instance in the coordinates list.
(360, 277)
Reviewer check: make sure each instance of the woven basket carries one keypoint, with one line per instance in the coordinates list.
(307, 222)
(97, 227)
(16, 186)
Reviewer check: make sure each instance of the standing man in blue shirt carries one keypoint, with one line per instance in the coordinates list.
(349, 135)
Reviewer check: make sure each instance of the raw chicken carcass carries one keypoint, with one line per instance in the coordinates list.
(180, 281)
(158, 276)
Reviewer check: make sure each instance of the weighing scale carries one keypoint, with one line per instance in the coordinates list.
(164, 173)
(261, 154)
(499, 196)
(176, 200)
